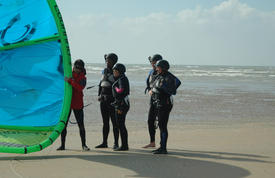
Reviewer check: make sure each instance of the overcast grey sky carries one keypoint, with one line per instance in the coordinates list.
(199, 32)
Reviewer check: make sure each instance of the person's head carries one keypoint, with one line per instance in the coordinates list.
(79, 66)
(119, 69)
(162, 66)
(154, 59)
(110, 60)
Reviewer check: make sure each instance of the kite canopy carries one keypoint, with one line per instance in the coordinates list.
(34, 58)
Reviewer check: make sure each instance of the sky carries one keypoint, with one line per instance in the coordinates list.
(197, 32)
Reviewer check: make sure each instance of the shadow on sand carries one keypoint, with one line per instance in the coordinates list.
(178, 163)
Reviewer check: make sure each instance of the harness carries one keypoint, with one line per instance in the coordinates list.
(107, 79)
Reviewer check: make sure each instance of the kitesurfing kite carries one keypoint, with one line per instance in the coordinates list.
(34, 58)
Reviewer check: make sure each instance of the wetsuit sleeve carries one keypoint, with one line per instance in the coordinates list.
(78, 86)
(122, 89)
(99, 85)
(148, 78)
(99, 88)
(147, 82)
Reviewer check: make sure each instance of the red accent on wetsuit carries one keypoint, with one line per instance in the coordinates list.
(77, 97)
(119, 90)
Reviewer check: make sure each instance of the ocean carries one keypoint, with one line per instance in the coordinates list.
(208, 94)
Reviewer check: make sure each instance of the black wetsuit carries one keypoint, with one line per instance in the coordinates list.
(107, 110)
(152, 111)
(121, 90)
(163, 103)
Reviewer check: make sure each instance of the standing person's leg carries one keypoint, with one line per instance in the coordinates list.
(123, 131)
(151, 126)
(106, 127)
(115, 126)
(64, 134)
(79, 116)
(163, 116)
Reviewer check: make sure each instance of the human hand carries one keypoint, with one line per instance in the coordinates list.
(119, 111)
(66, 79)
(99, 98)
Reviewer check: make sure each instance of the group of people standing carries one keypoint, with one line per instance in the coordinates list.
(113, 94)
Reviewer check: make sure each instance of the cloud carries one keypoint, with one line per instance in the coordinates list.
(233, 7)
(230, 33)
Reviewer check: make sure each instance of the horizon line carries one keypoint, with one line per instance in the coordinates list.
(226, 65)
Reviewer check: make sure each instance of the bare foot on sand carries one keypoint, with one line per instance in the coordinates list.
(152, 144)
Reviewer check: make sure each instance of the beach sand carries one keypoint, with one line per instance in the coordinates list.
(195, 151)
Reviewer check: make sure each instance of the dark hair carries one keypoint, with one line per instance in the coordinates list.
(79, 64)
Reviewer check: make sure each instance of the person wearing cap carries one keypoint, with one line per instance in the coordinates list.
(105, 98)
(121, 90)
(152, 112)
(164, 86)
(78, 82)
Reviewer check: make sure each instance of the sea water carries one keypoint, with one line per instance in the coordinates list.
(208, 94)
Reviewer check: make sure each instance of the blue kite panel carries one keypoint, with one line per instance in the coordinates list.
(31, 85)
(23, 20)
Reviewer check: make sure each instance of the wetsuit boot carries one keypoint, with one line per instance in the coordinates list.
(163, 143)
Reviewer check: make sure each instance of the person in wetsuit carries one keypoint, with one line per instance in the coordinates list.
(106, 98)
(152, 112)
(78, 82)
(165, 85)
(121, 90)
